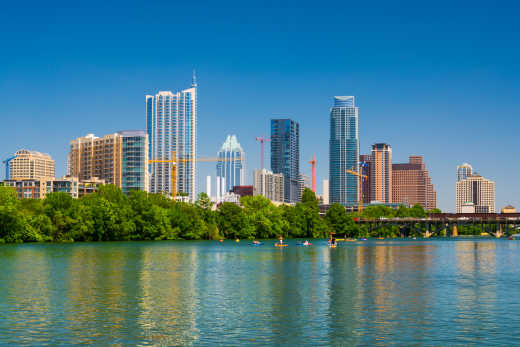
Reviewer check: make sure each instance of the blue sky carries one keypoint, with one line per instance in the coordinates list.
(439, 79)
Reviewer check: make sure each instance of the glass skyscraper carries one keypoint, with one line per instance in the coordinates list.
(344, 151)
(134, 159)
(171, 121)
(464, 171)
(285, 155)
(232, 165)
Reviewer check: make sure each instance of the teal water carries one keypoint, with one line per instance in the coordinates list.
(431, 292)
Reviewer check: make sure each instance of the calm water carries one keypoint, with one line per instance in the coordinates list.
(463, 292)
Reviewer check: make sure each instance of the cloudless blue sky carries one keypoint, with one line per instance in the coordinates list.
(440, 79)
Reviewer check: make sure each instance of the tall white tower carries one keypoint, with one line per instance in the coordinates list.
(171, 124)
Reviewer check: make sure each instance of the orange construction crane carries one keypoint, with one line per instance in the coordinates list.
(262, 139)
(174, 162)
(313, 164)
(360, 184)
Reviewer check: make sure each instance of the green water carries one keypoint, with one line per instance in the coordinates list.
(434, 292)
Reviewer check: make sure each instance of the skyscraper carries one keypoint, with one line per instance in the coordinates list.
(464, 171)
(478, 191)
(171, 124)
(411, 184)
(232, 165)
(381, 172)
(268, 184)
(344, 151)
(119, 159)
(285, 155)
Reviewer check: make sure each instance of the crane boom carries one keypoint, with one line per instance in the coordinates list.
(174, 162)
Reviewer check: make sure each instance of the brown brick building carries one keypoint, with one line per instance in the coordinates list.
(367, 182)
(411, 184)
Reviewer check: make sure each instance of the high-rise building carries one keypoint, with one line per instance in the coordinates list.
(411, 184)
(325, 192)
(365, 162)
(343, 151)
(27, 164)
(381, 173)
(285, 155)
(303, 182)
(464, 171)
(478, 191)
(231, 167)
(119, 159)
(268, 184)
(171, 124)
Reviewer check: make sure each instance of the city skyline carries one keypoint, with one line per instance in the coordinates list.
(421, 90)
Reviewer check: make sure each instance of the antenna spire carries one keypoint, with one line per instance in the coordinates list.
(194, 79)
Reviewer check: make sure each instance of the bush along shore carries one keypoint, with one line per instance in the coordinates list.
(110, 215)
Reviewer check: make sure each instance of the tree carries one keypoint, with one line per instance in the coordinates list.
(339, 221)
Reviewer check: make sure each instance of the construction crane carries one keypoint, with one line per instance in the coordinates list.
(360, 187)
(262, 139)
(313, 164)
(174, 162)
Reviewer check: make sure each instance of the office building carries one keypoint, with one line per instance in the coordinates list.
(303, 182)
(31, 165)
(365, 162)
(243, 190)
(343, 151)
(285, 155)
(119, 159)
(464, 171)
(325, 194)
(231, 164)
(171, 124)
(268, 184)
(381, 173)
(411, 184)
(478, 191)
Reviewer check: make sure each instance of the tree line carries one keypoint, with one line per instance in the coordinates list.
(110, 215)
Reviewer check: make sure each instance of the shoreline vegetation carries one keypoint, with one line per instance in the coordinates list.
(110, 215)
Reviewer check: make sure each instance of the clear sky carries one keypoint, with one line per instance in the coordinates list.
(440, 79)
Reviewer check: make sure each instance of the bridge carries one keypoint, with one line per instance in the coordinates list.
(447, 224)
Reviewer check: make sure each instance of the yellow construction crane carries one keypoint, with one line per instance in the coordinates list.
(360, 184)
(174, 162)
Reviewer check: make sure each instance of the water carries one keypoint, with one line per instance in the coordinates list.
(435, 292)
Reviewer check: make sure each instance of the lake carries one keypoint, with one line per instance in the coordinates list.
(435, 292)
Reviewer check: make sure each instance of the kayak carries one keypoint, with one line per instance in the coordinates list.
(281, 245)
(303, 244)
(332, 246)
(256, 244)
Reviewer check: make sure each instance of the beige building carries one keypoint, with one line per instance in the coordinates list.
(39, 188)
(31, 165)
(120, 159)
(381, 173)
(411, 184)
(477, 190)
(508, 209)
(268, 184)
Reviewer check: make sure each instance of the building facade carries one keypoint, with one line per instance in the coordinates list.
(478, 191)
(343, 151)
(25, 164)
(381, 173)
(269, 184)
(464, 171)
(285, 155)
(325, 195)
(119, 159)
(365, 162)
(411, 184)
(231, 164)
(171, 124)
(40, 188)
